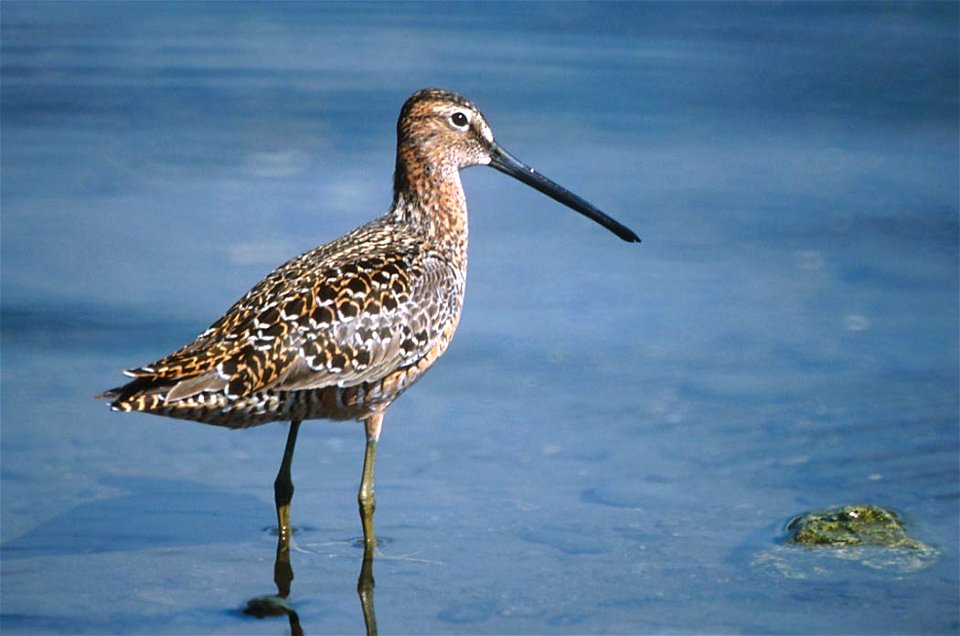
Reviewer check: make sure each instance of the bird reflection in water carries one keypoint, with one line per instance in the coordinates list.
(278, 605)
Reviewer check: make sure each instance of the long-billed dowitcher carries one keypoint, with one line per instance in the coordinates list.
(341, 331)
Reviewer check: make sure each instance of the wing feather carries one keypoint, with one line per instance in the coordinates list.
(345, 313)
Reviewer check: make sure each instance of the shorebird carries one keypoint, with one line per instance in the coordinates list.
(341, 331)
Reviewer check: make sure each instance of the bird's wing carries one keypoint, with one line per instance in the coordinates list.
(393, 322)
(329, 317)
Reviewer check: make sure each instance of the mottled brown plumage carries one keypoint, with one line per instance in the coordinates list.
(335, 333)
(341, 331)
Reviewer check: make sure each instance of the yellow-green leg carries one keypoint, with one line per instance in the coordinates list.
(365, 497)
(283, 494)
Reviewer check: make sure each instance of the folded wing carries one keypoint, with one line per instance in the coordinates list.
(333, 316)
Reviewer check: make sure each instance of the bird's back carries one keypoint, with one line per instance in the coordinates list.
(335, 333)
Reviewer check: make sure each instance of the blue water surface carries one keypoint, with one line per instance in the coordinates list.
(617, 435)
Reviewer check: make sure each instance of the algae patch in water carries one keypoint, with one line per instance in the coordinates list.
(850, 526)
(839, 540)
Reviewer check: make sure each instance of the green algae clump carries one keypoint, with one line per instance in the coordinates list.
(857, 525)
(833, 544)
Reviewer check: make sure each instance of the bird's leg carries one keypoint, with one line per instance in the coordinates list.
(283, 494)
(283, 485)
(365, 497)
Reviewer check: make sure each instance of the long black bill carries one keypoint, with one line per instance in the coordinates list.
(508, 164)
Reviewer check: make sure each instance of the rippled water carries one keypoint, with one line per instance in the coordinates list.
(617, 435)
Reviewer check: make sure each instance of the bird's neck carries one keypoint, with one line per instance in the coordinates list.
(431, 198)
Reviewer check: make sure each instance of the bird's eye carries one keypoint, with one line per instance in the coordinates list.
(458, 119)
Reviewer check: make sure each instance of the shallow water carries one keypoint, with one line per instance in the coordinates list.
(618, 433)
